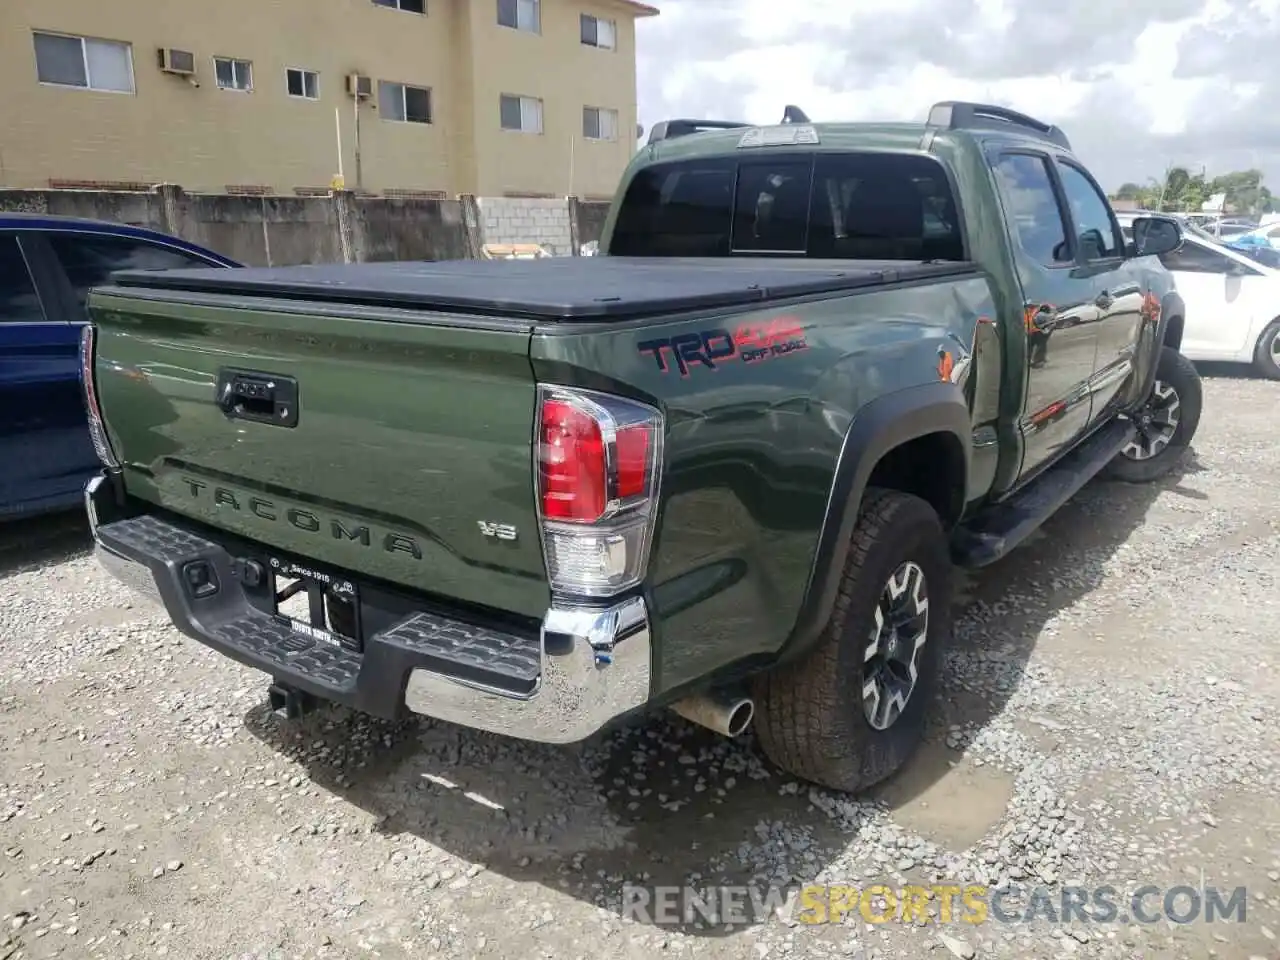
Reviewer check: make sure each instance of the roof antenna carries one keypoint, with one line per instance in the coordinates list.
(793, 114)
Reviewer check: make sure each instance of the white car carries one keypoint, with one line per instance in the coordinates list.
(1233, 302)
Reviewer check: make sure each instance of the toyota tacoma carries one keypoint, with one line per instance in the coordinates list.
(726, 467)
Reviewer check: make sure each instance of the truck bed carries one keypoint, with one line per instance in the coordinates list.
(551, 289)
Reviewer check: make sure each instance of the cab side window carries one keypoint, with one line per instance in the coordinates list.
(19, 302)
(1098, 235)
(1031, 208)
(89, 260)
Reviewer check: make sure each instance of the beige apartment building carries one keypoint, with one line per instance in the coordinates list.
(489, 97)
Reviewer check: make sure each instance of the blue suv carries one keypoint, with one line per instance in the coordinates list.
(47, 266)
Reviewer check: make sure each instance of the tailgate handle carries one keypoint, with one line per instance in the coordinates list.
(258, 397)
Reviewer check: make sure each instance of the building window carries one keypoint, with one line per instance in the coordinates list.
(84, 62)
(233, 74)
(599, 123)
(303, 83)
(523, 114)
(408, 6)
(521, 15)
(597, 32)
(399, 101)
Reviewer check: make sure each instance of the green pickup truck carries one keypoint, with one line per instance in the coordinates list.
(726, 467)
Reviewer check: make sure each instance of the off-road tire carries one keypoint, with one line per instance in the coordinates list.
(1176, 371)
(1266, 359)
(810, 716)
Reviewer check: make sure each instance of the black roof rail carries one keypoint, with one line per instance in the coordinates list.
(962, 115)
(669, 129)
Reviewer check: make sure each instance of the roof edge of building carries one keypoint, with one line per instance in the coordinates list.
(637, 8)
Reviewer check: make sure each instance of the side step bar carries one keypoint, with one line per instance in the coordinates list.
(997, 530)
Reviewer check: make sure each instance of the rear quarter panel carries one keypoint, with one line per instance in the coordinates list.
(751, 446)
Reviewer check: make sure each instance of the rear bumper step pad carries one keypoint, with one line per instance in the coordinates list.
(584, 668)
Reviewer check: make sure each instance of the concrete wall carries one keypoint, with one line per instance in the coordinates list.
(135, 209)
(413, 230)
(340, 227)
(524, 220)
(589, 219)
(260, 230)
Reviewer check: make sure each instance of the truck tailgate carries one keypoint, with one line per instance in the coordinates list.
(406, 447)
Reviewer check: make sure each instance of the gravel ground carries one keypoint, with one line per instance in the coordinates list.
(1109, 717)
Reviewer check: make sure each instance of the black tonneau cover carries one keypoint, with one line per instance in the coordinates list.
(552, 288)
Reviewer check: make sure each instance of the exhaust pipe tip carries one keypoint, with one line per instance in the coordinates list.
(728, 714)
(740, 717)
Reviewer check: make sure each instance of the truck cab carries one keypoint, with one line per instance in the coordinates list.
(1078, 314)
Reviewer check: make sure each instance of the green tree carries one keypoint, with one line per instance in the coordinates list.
(1245, 191)
(1182, 190)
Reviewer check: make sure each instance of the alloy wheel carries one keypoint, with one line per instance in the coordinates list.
(1156, 423)
(891, 658)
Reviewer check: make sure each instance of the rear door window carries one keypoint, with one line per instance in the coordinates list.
(859, 206)
(19, 302)
(90, 260)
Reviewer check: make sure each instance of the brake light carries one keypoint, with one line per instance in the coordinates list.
(573, 470)
(598, 459)
(88, 383)
(633, 451)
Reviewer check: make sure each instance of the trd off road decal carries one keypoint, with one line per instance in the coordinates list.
(716, 346)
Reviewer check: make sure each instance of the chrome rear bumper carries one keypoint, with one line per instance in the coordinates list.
(588, 666)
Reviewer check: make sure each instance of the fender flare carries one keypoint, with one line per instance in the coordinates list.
(883, 424)
(1171, 305)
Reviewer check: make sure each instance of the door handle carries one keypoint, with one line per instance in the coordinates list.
(259, 397)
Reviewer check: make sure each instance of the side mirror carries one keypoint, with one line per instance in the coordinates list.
(1153, 236)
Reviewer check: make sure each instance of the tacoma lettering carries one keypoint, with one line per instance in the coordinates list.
(304, 520)
(342, 533)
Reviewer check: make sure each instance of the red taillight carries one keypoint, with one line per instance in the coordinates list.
(86, 370)
(633, 453)
(93, 412)
(598, 459)
(573, 464)
(572, 470)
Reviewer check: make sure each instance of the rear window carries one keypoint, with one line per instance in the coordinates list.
(857, 206)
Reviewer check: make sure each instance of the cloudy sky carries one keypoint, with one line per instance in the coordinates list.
(1136, 84)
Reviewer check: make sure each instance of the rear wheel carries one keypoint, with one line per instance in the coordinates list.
(852, 711)
(1266, 357)
(1165, 424)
